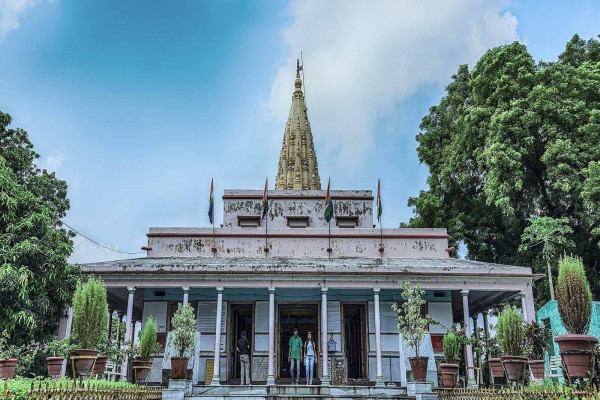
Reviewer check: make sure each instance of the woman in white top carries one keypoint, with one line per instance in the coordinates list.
(310, 350)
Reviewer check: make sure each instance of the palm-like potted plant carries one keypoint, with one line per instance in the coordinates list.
(56, 351)
(90, 315)
(575, 308)
(510, 334)
(413, 326)
(148, 347)
(536, 345)
(450, 368)
(184, 339)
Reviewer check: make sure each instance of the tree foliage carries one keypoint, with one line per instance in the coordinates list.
(184, 329)
(148, 339)
(513, 140)
(90, 314)
(574, 296)
(36, 282)
(510, 332)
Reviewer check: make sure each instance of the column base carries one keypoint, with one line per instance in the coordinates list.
(216, 381)
(325, 381)
(270, 380)
(379, 381)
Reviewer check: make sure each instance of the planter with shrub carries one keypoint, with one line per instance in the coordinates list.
(90, 316)
(510, 334)
(575, 308)
(148, 347)
(8, 357)
(536, 344)
(56, 351)
(184, 339)
(450, 368)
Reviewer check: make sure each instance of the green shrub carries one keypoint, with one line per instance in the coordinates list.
(536, 340)
(184, 330)
(90, 314)
(20, 386)
(573, 295)
(451, 347)
(509, 331)
(148, 339)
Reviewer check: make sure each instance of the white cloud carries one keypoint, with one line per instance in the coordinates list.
(363, 57)
(53, 162)
(11, 12)
(85, 251)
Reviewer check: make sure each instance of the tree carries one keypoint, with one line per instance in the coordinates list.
(510, 141)
(90, 314)
(550, 233)
(36, 282)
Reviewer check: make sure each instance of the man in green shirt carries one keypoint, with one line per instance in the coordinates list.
(294, 356)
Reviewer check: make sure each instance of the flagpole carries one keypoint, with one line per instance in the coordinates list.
(329, 239)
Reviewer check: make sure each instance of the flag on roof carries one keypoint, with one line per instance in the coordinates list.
(328, 203)
(265, 201)
(211, 204)
(379, 208)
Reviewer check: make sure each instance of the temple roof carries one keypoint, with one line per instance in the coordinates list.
(298, 169)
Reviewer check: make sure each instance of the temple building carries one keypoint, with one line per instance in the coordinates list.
(338, 283)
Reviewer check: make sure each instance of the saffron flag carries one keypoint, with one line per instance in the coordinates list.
(211, 204)
(379, 208)
(328, 204)
(265, 201)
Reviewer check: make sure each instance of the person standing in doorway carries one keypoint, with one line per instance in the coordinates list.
(294, 356)
(309, 361)
(243, 347)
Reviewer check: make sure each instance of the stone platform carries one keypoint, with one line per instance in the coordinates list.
(295, 392)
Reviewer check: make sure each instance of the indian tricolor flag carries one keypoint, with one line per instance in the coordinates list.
(211, 204)
(328, 203)
(379, 208)
(265, 200)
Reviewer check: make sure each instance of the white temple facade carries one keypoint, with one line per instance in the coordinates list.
(338, 283)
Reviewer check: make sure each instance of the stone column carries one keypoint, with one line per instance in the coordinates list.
(216, 380)
(186, 295)
(109, 322)
(469, 349)
(325, 377)
(68, 322)
(379, 378)
(128, 328)
(271, 376)
(486, 332)
(476, 335)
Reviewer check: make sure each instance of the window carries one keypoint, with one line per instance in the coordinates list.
(297, 221)
(350, 221)
(248, 221)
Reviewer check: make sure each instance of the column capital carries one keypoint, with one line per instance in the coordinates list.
(521, 293)
(485, 313)
(324, 290)
(376, 291)
(220, 290)
(464, 292)
(131, 289)
(271, 290)
(186, 289)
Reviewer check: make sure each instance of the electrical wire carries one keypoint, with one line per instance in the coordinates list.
(97, 243)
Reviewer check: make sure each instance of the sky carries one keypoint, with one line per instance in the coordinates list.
(137, 105)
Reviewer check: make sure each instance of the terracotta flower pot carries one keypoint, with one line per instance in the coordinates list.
(449, 374)
(100, 365)
(496, 368)
(179, 367)
(576, 352)
(537, 368)
(142, 369)
(54, 366)
(418, 365)
(7, 368)
(515, 367)
(83, 361)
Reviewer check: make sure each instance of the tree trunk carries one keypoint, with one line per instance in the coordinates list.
(550, 282)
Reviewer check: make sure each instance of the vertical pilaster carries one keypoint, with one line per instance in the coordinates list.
(486, 331)
(271, 375)
(325, 377)
(216, 380)
(186, 295)
(67, 333)
(379, 378)
(128, 328)
(469, 348)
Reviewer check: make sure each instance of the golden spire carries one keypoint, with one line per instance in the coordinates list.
(298, 169)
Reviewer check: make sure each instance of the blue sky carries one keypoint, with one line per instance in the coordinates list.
(138, 104)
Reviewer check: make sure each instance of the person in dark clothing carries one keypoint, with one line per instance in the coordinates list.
(243, 347)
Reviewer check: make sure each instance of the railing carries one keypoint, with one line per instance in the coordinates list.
(527, 393)
(82, 391)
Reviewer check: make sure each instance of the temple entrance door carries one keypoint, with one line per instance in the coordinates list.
(355, 340)
(242, 321)
(305, 319)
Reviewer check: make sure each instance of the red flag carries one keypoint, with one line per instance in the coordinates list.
(327, 194)
(265, 200)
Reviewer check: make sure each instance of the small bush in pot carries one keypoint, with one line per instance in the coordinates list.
(56, 350)
(148, 347)
(536, 345)
(90, 317)
(184, 339)
(450, 368)
(413, 326)
(511, 335)
(574, 299)
(9, 357)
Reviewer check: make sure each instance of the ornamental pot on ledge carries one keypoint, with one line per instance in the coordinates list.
(179, 367)
(537, 368)
(100, 365)
(418, 365)
(449, 374)
(142, 368)
(576, 352)
(7, 368)
(83, 361)
(496, 368)
(515, 367)
(54, 366)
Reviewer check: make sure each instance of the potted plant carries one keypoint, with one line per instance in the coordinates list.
(148, 348)
(575, 308)
(449, 369)
(536, 344)
(184, 339)
(510, 334)
(56, 351)
(9, 355)
(413, 326)
(492, 349)
(90, 314)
